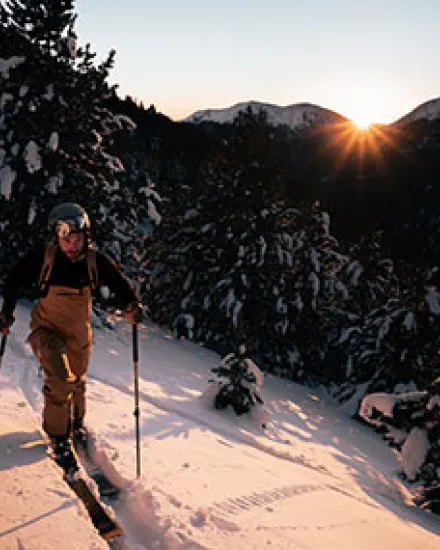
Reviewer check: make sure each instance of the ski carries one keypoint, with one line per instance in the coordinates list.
(107, 527)
(86, 450)
(98, 512)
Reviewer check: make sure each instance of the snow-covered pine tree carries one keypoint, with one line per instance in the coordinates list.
(310, 293)
(218, 257)
(55, 128)
(238, 382)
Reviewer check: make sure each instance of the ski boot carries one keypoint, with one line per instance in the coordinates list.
(64, 455)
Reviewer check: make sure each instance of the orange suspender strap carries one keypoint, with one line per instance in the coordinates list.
(93, 270)
(46, 270)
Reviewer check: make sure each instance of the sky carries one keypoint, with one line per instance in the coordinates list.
(314, 479)
(371, 61)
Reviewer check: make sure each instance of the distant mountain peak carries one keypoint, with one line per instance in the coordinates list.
(430, 110)
(297, 116)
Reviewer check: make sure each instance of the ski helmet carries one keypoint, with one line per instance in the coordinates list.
(66, 218)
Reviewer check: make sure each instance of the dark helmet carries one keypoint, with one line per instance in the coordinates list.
(68, 217)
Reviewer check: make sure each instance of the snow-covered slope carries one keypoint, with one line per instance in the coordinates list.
(314, 479)
(297, 116)
(429, 111)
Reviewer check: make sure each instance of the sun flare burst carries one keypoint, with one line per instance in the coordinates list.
(347, 143)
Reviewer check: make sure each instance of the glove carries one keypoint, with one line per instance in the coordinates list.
(134, 314)
(6, 320)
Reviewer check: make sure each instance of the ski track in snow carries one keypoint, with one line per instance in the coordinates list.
(246, 502)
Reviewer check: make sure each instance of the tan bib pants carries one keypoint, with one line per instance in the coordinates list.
(61, 339)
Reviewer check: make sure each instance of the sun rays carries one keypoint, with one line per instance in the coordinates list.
(346, 144)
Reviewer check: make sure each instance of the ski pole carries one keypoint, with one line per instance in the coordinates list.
(2, 348)
(136, 398)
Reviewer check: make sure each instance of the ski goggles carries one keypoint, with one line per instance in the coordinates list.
(64, 228)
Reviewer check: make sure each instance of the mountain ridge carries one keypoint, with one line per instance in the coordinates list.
(296, 116)
(303, 115)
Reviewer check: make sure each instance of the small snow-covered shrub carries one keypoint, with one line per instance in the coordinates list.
(238, 383)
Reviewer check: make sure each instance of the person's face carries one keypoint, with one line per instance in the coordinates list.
(72, 245)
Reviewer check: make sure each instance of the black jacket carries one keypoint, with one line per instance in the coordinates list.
(26, 273)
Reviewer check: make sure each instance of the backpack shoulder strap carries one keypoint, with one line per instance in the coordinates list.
(49, 258)
(46, 270)
(93, 269)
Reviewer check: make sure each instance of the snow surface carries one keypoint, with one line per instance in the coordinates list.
(314, 479)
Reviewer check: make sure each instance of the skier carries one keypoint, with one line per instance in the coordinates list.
(67, 270)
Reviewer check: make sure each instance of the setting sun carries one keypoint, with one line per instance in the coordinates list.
(364, 111)
(363, 121)
(364, 104)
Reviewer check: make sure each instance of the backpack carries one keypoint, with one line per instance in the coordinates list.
(49, 258)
